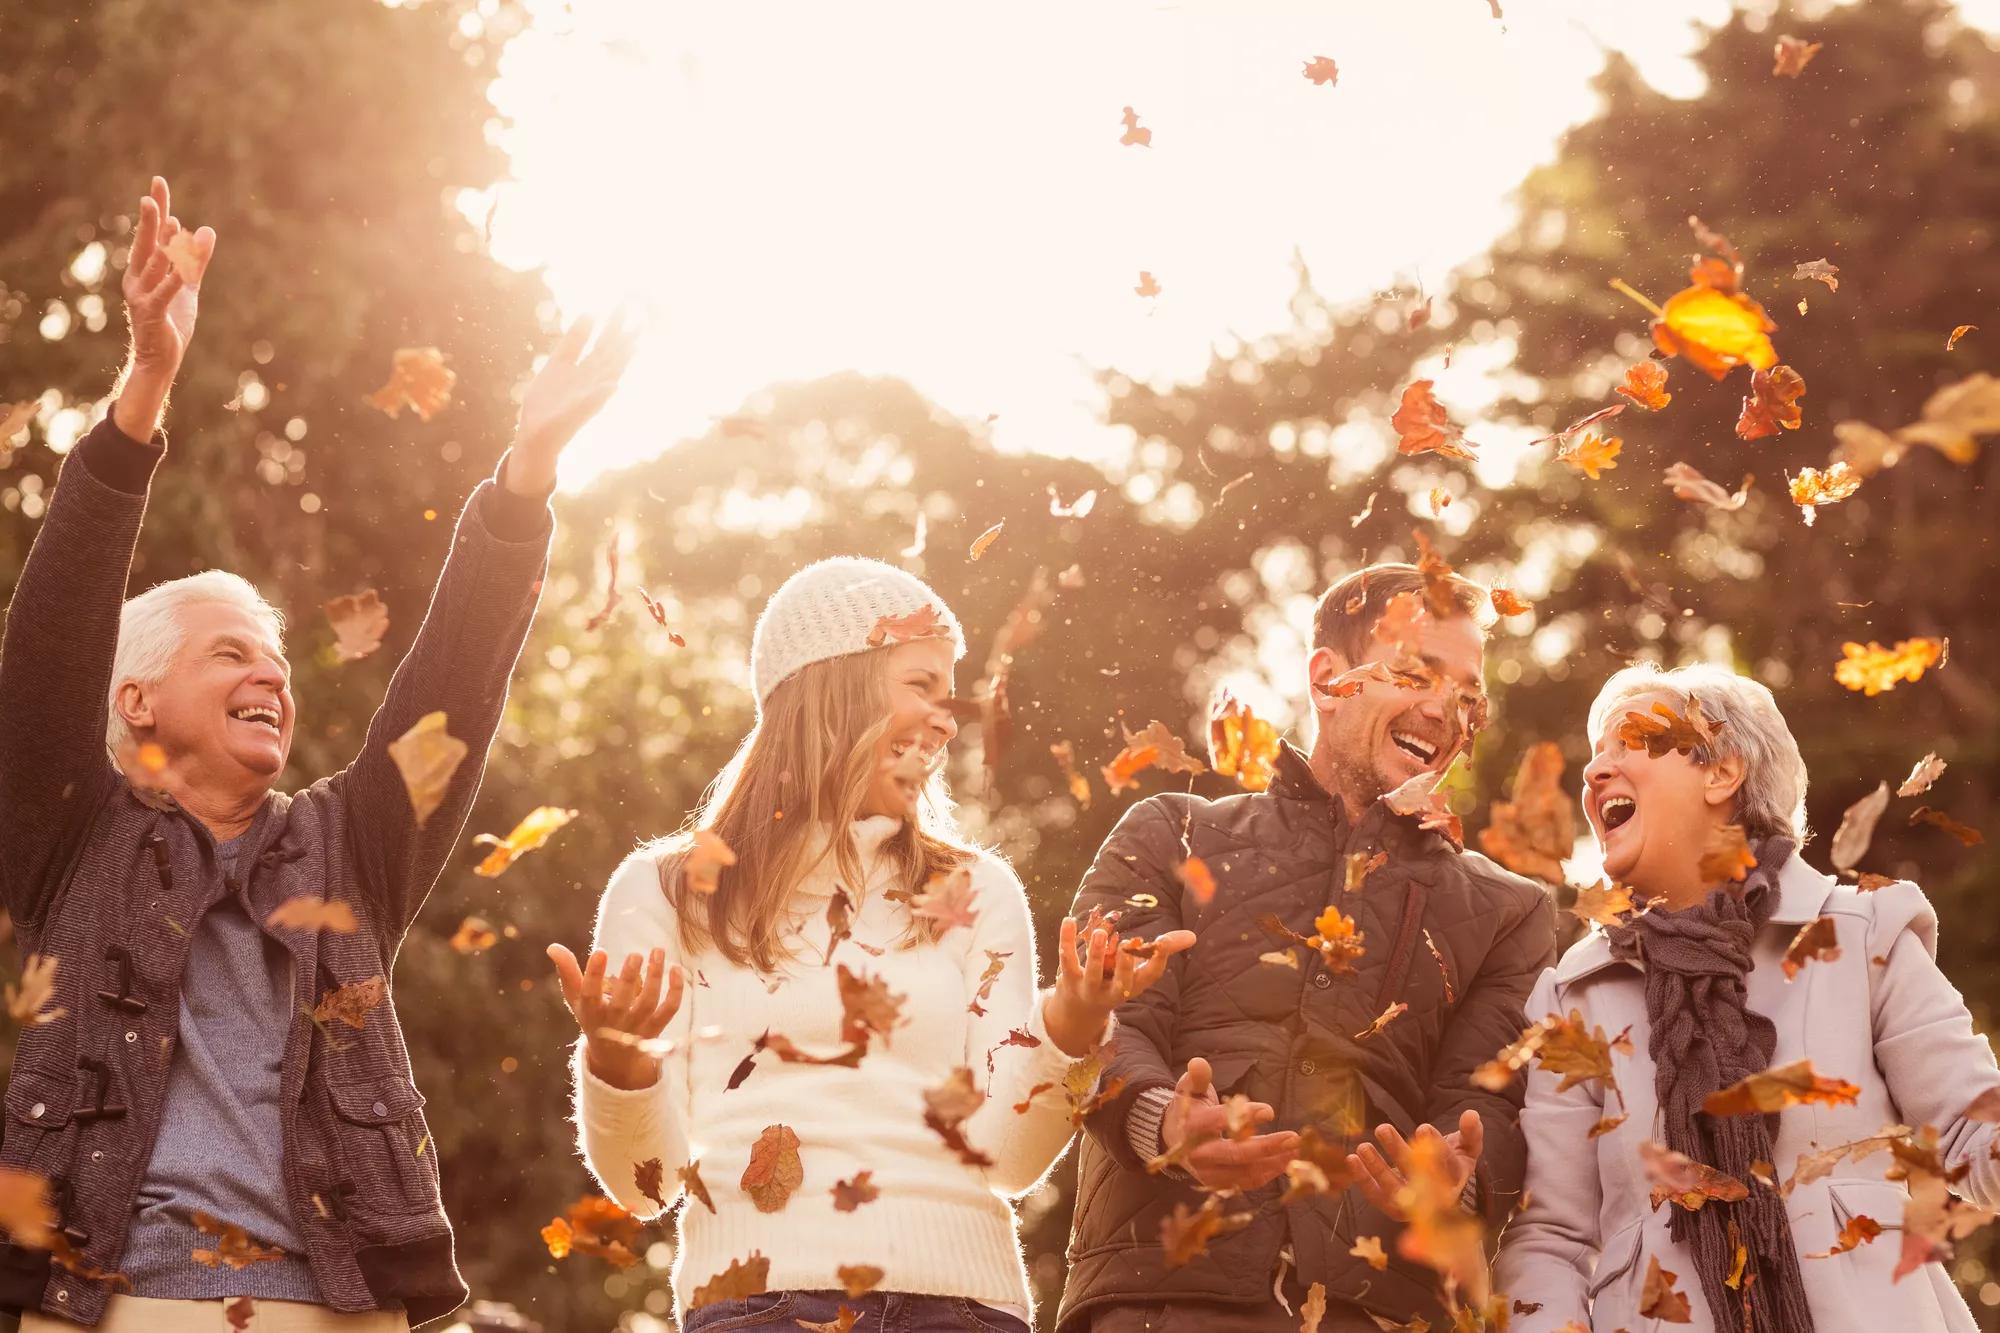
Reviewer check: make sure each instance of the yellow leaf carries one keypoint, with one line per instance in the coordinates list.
(1716, 330)
(427, 755)
(536, 829)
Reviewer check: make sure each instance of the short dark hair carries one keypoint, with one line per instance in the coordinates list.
(1346, 615)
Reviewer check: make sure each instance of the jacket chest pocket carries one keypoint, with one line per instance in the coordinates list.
(388, 1163)
(38, 1112)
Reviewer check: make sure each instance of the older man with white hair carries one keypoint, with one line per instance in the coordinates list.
(213, 1074)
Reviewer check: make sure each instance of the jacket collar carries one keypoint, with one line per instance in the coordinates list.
(1802, 893)
(1293, 779)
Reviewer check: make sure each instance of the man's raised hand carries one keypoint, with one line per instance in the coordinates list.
(1196, 1130)
(162, 287)
(571, 387)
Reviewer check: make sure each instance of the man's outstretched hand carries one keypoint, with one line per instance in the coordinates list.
(162, 287)
(1197, 1122)
(1379, 1172)
(571, 387)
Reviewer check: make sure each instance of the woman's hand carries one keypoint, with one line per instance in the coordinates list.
(1091, 986)
(622, 1017)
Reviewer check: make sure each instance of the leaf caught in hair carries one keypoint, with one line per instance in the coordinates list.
(1423, 427)
(351, 1003)
(1156, 746)
(1659, 1299)
(474, 935)
(1646, 385)
(859, 1279)
(1813, 488)
(1690, 485)
(1966, 835)
(1604, 903)
(1857, 828)
(1874, 669)
(308, 913)
(985, 540)
(1928, 770)
(534, 830)
(1816, 941)
(1772, 403)
(1079, 786)
(1534, 830)
(1419, 798)
(1507, 603)
(1688, 1183)
(1383, 1020)
(949, 899)
(1727, 856)
(1664, 730)
(948, 1106)
(743, 1277)
(1136, 135)
(1775, 1089)
(418, 379)
(922, 623)
(691, 1181)
(1322, 71)
(233, 1246)
(701, 870)
(1186, 1232)
(1792, 54)
(427, 755)
(1242, 745)
(1593, 455)
(359, 621)
(774, 1171)
(1949, 343)
(851, 1194)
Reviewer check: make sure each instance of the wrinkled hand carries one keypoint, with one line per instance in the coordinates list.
(635, 1006)
(569, 389)
(1197, 1119)
(1381, 1177)
(162, 299)
(1090, 986)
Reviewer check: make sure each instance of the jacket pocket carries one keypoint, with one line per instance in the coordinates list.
(38, 1111)
(1618, 1257)
(383, 1145)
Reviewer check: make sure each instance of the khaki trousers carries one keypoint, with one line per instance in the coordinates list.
(143, 1314)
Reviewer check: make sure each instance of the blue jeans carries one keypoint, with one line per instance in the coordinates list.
(881, 1311)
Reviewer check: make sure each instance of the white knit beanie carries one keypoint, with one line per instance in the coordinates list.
(829, 609)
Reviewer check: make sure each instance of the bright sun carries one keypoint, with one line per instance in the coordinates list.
(941, 194)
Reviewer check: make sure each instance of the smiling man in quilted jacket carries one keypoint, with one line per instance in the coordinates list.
(179, 1094)
(1381, 1028)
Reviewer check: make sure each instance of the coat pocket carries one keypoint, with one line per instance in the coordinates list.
(1618, 1257)
(38, 1111)
(388, 1162)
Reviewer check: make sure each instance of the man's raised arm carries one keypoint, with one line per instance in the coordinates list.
(479, 615)
(62, 624)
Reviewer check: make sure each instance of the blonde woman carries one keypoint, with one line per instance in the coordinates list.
(790, 1029)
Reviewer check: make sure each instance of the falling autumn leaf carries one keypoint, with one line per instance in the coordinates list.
(947, 1107)
(1419, 798)
(1646, 385)
(1136, 135)
(1508, 603)
(843, 1321)
(1815, 942)
(534, 830)
(1772, 403)
(774, 1171)
(1792, 55)
(308, 913)
(1382, 1020)
(1198, 880)
(239, 1313)
(1690, 485)
(1592, 455)
(1874, 669)
(28, 1001)
(1966, 835)
(1604, 904)
(696, 1188)
(1857, 1230)
(351, 1003)
(1664, 730)
(14, 417)
(359, 621)
(1369, 1250)
(950, 900)
(1927, 771)
(1534, 829)
(1422, 426)
(1814, 487)
(1359, 866)
(474, 935)
(1155, 746)
(1186, 1232)
(610, 607)
(851, 1194)
(985, 539)
(1079, 786)
(233, 1246)
(1581, 423)
(1658, 1299)
(1819, 270)
(419, 380)
(1857, 828)
(996, 963)
(1148, 286)
(427, 755)
(1689, 1184)
(1322, 71)
(1716, 328)
(1726, 857)
(27, 1210)
(1949, 343)
(743, 1277)
(185, 256)
(1313, 1309)
(1242, 745)
(1774, 1089)
(650, 1177)
(859, 1279)
(702, 868)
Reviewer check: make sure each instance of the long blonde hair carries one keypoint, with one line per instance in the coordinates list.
(803, 771)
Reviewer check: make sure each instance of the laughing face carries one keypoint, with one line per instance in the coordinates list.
(1380, 738)
(920, 724)
(1653, 817)
(222, 713)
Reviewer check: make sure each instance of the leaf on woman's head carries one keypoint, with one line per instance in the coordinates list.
(534, 830)
(1422, 426)
(922, 623)
(419, 380)
(427, 756)
(1664, 729)
(774, 1171)
(1646, 385)
(359, 621)
(1775, 1089)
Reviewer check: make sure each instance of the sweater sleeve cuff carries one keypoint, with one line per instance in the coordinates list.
(603, 1106)
(512, 517)
(1142, 1125)
(119, 461)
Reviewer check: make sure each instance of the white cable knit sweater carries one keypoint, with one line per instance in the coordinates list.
(939, 1227)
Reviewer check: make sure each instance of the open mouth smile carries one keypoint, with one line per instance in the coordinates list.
(259, 715)
(1412, 744)
(1616, 812)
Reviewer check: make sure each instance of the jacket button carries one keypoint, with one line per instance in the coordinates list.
(62, 1295)
(1322, 980)
(1308, 1068)
(131, 1036)
(38, 1110)
(380, 1109)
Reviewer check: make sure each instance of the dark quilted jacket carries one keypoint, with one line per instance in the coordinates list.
(1450, 934)
(113, 887)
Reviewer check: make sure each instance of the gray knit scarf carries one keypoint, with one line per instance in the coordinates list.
(1703, 1039)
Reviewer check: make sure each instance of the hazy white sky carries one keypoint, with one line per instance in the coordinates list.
(938, 191)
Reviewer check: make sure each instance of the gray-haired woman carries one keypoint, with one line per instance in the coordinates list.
(1699, 981)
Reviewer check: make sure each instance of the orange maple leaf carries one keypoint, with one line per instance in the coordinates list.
(1646, 385)
(1422, 426)
(1813, 487)
(1135, 135)
(1322, 70)
(1592, 455)
(419, 380)
(1147, 285)
(1773, 402)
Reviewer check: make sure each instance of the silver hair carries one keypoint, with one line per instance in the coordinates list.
(150, 632)
(1772, 799)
